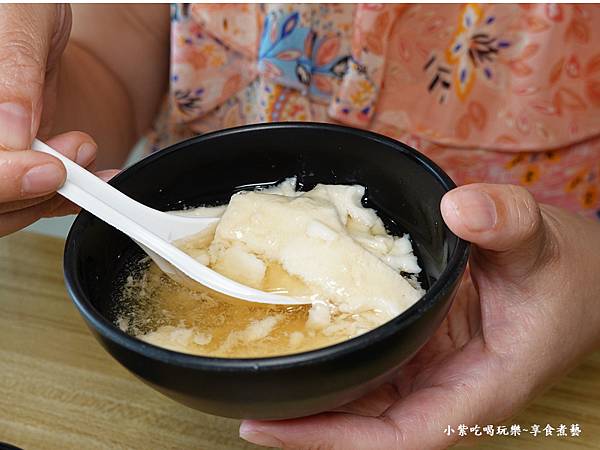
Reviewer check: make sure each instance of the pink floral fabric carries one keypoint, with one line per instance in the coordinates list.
(497, 93)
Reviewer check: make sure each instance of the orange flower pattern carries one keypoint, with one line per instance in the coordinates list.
(495, 93)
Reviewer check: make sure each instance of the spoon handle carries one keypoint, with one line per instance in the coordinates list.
(78, 176)
(115, 208)
(104, 201)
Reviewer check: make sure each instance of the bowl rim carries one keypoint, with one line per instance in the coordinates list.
(455, 268)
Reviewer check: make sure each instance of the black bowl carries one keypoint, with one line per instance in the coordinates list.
(404, 187)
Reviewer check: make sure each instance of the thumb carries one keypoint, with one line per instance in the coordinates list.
(31, 37)
(504, 222)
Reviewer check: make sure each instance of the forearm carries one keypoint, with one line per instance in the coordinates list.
(113, 75)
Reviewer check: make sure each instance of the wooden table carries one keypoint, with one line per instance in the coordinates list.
(60, 390)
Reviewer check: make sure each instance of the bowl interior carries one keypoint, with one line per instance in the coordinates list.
(403, 186)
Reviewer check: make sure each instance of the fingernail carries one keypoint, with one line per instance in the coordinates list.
(15, 126)
(42, 179)
(475, 209)
(85, 154)
(251, 434)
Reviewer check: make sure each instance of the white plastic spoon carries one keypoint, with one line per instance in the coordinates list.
(153, 230)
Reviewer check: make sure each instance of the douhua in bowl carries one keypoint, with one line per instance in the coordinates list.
(404, 187)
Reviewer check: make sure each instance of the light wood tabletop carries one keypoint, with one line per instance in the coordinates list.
(60, 390)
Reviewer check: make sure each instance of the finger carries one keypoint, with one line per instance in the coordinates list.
(29, 38)
(75, 145)
(44, 119)
(16, 220)
(504, 222)
(63, 207)
(29, 174)
(331, 431)
(415, 423)
(22, 204)
(106, 175)
(55, 206)
(373, 404)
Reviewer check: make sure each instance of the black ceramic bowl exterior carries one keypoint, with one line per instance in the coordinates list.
(401, 184)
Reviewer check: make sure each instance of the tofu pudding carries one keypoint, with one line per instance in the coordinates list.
(322, 244)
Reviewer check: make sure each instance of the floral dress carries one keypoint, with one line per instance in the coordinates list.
(494, 93)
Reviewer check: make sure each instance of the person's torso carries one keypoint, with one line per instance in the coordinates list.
(499, 93)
